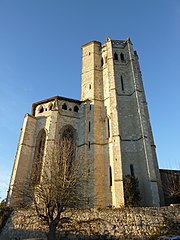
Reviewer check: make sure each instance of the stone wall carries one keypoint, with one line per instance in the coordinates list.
(122, 223)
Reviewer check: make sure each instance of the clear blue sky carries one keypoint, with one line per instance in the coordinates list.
(40, 57)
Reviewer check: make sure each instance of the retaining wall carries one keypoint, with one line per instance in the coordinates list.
(122, 223)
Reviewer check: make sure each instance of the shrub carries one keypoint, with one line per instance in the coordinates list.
(4, 214)
(131, 191)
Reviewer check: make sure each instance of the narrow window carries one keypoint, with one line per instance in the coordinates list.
(102, 62)
(89, 126)
(106, 59)
(50, 107)
(90, 107)
(122, 83)
(110, 176)
(38, 157)
(89, 144)
(64, 106)
(76, 109)
(132, 170)
(135, 53)
(67, 147)
(122, 56)
(89, 86)
(108, 125)
(115, 56)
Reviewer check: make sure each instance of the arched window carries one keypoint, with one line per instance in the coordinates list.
(41, 109)
(135, 53)
(76, 109)
(67, 147)
(64, 106)
(122, 57)
(115, 56)
(38, 158)
(50, 106)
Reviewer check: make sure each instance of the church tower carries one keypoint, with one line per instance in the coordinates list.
(110, 124)
(121, 135)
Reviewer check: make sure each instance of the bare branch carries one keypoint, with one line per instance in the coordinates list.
(58, 186)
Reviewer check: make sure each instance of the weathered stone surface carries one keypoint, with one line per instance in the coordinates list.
(111, 124)
(123, 223)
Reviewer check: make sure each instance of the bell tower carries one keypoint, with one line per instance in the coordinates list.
(92, 90)
(111, 127)
(121, 136)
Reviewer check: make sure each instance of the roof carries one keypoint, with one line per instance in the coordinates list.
(90, 43)
(34, 105)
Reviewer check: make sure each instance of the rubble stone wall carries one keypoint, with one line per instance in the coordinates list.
(122, 223)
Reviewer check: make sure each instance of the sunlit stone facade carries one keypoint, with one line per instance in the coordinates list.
(111, 125)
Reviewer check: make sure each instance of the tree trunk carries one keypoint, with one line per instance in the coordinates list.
(52, 231)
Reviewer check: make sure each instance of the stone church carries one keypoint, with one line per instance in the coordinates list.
(110, 124)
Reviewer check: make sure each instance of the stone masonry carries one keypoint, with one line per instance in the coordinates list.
(110, 125)
(122, 223)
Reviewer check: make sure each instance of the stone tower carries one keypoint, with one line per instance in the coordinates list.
(111, 124)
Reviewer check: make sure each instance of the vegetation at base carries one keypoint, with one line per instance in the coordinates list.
(172, 187)
(131, 191)
(4, 214)
(170, 228)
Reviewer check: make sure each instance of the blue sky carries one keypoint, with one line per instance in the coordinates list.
(40, 57)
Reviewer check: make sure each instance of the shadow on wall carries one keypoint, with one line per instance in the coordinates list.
(19, 234)
(122, 223)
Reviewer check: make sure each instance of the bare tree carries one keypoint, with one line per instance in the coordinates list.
(59, 186)
(172, 185)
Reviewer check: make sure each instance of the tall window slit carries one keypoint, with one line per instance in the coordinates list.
(89, 126)
(108, 126)
(132, 170)
(122, 83)
(110, 176)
